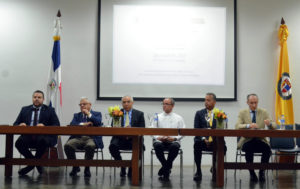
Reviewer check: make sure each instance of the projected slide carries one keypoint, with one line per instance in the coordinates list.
(169, 45)
(152, 49)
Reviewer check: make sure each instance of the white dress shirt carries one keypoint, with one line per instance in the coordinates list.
(171, 120)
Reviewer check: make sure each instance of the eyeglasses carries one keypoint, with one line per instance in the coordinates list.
(165, 104)
(83, 104)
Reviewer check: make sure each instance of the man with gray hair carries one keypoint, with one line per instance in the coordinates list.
(86, 118)
(131, 118)
(167, 119)
(254, 118)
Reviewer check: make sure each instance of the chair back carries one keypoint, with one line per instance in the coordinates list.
(282, 143)
(289, 127)
(297, 139)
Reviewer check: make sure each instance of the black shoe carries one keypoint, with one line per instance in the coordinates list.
(253, 177)
(123, 172)
(161, 171)
(74, 171)
(198, 176)
(25, 170)
(87, 172)
(166, 174)
(129, 174)
(40, 169)
(262, 177)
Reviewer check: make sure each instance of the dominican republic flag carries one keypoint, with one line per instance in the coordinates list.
(54, 93)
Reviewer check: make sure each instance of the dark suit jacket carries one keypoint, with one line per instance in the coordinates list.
(200, 122)
(96, 119)
(47, 117)
(137, 120)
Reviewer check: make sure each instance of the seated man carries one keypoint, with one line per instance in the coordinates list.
(132, 118)
(204, 119)
(254, 118)
(38, 115)
(86, 118)
(167, 119)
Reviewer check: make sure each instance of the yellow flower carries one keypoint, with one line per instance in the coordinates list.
(115, 111)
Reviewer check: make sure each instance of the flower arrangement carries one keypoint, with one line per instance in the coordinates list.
(220, 116)
(116, 113)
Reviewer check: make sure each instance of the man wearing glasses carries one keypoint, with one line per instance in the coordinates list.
(167, 119)
(86, 118)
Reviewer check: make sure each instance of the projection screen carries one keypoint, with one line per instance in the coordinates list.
(151, 49)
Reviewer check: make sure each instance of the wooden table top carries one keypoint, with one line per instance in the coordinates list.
(135, 131)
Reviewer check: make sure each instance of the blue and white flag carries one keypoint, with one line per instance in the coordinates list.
(54, 93)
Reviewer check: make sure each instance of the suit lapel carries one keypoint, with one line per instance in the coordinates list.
(248, 117)
(29, 115)
(42, 113)
(132, 121)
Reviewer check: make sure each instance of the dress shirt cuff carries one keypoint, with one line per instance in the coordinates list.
(248, 126)
(89, 115)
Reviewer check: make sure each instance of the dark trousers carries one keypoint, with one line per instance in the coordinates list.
(256, 146)
(200, 146)
(117, 144)
(39, 142)
(172, 148)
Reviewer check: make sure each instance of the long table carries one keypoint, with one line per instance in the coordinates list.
(136, 134)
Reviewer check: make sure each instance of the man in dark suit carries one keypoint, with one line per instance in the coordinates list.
(38, 115)
(86, 118)
(204, 119)
(131, 118)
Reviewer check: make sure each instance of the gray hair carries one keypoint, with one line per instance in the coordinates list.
(172, 100)
(252, 94)
(85, 98)
(131, 98)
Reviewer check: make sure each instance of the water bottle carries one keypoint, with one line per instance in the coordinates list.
(155, 120)
(282, 122)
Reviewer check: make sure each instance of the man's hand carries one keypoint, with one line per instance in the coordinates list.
(170, 139)
(162, 138)
(86, 112)
(88, 124)
(40, 125)
(267, 122)
(207, 142)
(253, 126)
(23, 124)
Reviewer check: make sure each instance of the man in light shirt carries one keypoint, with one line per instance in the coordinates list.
(167, 119)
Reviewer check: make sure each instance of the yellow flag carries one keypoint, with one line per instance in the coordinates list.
(284, 101)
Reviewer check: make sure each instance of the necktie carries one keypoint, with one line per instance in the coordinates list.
(127, 119)
(35, 117)
(253, 117)
(210, 119)
(84, 119)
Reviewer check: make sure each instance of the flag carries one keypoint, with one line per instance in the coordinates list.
(284, 101)
(54, 93)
